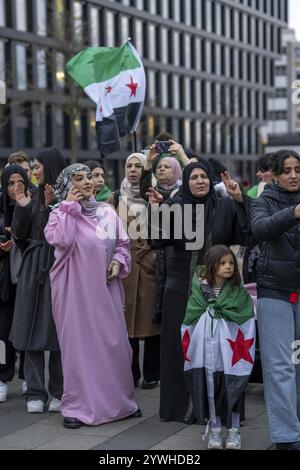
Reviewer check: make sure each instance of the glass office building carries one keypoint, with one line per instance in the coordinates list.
(209, 66)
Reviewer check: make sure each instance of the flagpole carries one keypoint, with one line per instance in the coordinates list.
(135, 142)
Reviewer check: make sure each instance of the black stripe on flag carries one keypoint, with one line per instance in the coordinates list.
(229, 393)
(111, 129)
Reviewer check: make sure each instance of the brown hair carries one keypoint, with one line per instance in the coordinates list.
(17, 158)
(279, 159)
(212, 262)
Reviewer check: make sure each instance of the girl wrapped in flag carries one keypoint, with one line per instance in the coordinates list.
(218, 340)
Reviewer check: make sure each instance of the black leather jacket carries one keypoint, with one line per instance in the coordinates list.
(273, 223)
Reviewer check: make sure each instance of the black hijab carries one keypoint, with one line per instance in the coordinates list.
(6, 203)
(209, 201)
(186, 192)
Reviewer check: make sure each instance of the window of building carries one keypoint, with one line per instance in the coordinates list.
(152, 42)
(2, 61)
(110, 29)
(176, 93)
(21, 15)
(138, 34)
(60, 71)
(40, 124)
(21, 64)
(280, 70)
(2, 13)
(41, 68)
(41, 17)
(77, 21)
(23, 126)
(164, 45)
(94, 26)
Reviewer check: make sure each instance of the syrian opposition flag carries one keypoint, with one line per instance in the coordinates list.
(114, 78)
(219, 350)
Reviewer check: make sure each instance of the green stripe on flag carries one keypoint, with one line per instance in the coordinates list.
(99, 64)
(111, 61)
(81, 67)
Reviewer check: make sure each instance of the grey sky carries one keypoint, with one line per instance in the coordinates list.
(295, 16)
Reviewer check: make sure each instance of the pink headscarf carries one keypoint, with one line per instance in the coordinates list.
(175, 182)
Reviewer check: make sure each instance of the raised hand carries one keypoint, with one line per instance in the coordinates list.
(150, 157)
(232, 187)
(49, 195)
(154, 196)
(152, 154)
(176, 149)
(22, 199)
(74, 195)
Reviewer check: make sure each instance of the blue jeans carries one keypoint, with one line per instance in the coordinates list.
(279, 327)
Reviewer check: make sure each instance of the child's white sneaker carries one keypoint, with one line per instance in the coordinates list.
(35, 406)
(233, 439)
(3, 392)
(215, 439)
(54, 406)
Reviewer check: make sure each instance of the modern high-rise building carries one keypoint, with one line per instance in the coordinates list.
(284, 114)
(209, 65)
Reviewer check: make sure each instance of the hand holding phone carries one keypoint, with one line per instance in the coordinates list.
(162, 146)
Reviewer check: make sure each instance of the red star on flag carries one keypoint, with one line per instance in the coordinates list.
(185, 345)
(108, 89)
(133, 87)
(240, 348)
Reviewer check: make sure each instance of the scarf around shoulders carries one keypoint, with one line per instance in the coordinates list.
(233, 304)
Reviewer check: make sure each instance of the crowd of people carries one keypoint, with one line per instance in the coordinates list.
(86, 273)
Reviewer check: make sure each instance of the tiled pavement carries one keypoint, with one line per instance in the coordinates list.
(20, 430)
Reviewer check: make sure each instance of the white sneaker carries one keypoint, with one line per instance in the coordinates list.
(24, 386)
(233, 439)
(3, 392)
(54, 406)
(35, 406)
(215, 439)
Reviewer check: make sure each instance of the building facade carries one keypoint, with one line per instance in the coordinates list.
(284, 113)
(209, 66)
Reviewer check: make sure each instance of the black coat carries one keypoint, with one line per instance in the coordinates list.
(228, 227)
(33, 327)
(274, 224)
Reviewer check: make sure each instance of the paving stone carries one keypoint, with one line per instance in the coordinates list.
(142, 436)
(71, 442)
(32, 436)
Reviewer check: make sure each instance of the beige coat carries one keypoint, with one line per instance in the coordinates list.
(139, 289)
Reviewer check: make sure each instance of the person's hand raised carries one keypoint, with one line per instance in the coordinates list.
(152, 154)
(74, 195)
(49, 195)
(22, 199)
(232, 187)
(154, 196)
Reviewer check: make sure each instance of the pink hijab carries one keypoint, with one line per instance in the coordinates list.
(175, 182)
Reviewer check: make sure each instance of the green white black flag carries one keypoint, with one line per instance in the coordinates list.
(114, 78)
